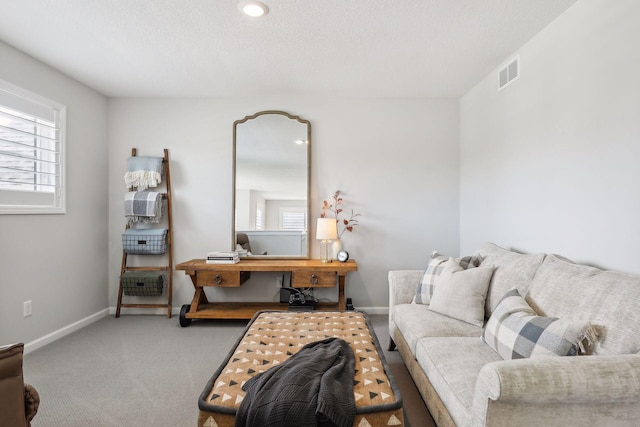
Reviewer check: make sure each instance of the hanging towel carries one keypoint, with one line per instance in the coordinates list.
(143, 172)
(143, 207)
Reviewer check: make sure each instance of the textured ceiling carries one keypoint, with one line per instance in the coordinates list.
(196, 48)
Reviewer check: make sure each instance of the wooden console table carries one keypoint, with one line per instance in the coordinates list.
(305, 273)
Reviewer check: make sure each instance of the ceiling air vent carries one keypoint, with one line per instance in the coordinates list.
(509, 73)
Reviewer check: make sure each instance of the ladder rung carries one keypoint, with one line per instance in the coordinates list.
(147, 268)
(143, 305)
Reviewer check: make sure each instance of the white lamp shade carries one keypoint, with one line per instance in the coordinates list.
(327, 229)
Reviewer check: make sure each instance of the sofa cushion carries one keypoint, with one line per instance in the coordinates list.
(461, 293)
(416, 321)
(608, 299)
(434, 268)
(512, 270)
(515, 331)
(452, 365)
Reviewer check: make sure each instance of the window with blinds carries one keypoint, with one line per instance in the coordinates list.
(293, 219)
(31, 152)
(259, 219)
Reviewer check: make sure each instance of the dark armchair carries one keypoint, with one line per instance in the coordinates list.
(243, 240)
(18, 401)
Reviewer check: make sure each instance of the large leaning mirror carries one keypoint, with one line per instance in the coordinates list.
(272, 151)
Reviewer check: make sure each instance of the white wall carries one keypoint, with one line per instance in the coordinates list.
(395, 159)
(551, 163)
(58, 261)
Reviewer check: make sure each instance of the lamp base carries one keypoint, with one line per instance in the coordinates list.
(326, 251)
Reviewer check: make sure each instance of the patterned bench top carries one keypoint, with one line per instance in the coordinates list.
(273, 336)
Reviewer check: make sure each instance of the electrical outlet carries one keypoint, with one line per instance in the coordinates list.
(27, 308)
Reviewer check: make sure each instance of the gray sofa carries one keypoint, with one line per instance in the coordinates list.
(464, 382)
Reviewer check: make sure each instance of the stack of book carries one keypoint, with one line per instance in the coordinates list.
(223, 257)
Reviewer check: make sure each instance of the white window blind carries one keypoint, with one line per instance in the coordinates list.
(259, 219)
(293, 219)
(31, 152)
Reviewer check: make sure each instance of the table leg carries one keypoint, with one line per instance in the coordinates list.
(342, 302)
(199, 297)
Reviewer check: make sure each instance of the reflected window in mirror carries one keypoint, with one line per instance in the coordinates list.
(272, 151)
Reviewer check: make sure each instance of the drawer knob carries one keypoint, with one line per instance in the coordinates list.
(313, 279)
(217, 279)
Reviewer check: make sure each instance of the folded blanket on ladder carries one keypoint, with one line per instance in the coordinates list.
(143, 172)
(143, 207)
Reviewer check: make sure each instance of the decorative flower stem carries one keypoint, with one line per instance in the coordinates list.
(336, 207)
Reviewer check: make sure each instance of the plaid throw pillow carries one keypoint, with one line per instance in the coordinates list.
(434, 268)
(515, 331)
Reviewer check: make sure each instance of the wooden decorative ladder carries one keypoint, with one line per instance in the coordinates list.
(168, 268)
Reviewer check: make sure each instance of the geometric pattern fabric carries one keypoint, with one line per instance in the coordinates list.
(274, 336)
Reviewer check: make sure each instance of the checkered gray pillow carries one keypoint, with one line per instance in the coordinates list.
(515, 331)
(435, 267)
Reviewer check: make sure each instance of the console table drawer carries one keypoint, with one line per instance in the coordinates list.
(314, 279)
(230, 279)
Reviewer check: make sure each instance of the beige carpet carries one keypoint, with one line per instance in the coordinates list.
(148, 371)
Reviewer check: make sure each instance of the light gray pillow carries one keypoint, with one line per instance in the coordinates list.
(461, 293)
(434, 268)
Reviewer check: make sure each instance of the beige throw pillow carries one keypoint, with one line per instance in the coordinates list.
(461, 293)
(434, 268)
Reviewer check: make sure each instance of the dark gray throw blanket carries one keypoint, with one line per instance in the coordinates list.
(312, 387)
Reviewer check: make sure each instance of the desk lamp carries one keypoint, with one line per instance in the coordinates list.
(326, 231)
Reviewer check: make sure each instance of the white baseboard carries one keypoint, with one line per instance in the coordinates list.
(56, 335)
(175, 311)
(374, 310)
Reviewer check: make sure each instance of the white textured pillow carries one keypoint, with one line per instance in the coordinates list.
(461, 293)
(434, 268)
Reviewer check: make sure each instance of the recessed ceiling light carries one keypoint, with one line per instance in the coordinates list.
(253, 8)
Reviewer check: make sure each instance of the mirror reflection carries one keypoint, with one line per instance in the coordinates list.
(271, 194)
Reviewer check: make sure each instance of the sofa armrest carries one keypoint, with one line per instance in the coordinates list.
(12, 391)
(604, 389)
(31, 402)
(403, 285)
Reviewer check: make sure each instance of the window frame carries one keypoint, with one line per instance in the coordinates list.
(58, 204)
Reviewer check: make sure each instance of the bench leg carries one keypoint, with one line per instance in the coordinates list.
(392, 345)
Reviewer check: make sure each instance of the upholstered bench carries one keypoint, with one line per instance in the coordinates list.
(273, 336)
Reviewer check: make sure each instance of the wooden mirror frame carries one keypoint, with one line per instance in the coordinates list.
(308, 195)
